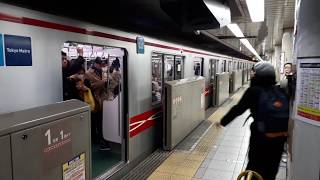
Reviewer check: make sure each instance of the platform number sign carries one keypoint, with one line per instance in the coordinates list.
(56, 137)
(140, 45)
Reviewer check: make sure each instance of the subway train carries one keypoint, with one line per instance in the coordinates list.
(132, 120)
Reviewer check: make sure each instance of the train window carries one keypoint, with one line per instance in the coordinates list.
(213, 70)
(168, 67)
(224, 66)
(178, 73)
(198, 67)
(217, 66)
(164, 68)
(156, 77)
(229, 66)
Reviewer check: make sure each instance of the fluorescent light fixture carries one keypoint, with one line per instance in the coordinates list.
(256, 10)
(235, 29)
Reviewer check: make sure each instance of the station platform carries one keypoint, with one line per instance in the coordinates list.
(209, 152)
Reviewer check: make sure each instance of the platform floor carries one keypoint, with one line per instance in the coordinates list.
(211, 153)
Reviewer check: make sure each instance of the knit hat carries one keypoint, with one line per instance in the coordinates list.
(264, 69)
(264, 73)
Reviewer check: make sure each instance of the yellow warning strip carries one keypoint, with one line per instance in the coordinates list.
(182, 165)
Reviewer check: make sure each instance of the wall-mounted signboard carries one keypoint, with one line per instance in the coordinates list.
(15, 50)
(140, 45)
(307, 107)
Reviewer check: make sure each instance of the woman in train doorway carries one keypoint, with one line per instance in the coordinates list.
(99, 88)
(115, 79)
(265, 151)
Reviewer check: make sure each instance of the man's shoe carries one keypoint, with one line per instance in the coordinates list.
(104, 146)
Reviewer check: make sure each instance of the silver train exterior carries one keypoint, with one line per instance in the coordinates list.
(41, 83)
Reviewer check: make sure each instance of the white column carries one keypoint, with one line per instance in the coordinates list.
(287, 45)
(305, 138)
(276, 61)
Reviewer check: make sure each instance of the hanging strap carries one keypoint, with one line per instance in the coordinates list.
(250, 115)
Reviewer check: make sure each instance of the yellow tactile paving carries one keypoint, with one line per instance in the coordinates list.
(166, 169)
(185, 171)
(191, 164)
(182, 165)
(160, 176)
(179, 177)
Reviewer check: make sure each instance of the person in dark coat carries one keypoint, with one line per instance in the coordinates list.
(264, 152)
(70, 68)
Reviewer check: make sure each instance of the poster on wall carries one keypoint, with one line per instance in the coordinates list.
(307, 107)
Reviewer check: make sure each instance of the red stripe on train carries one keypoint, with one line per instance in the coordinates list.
(144, 121)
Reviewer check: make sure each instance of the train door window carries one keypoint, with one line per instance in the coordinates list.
(229, 66)
(179, 67)
(217, 64)
(222, 66)
(156, 61)
(168, 67)
(90, 64)
(198, 67)
(213, 70)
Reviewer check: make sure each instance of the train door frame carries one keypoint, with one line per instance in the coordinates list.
(213, 63)
(161, 102)
(124, 103)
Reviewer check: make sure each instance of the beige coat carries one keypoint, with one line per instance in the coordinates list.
(98, 87)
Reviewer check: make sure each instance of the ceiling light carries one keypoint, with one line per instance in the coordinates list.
(256, 10)
(247, 44)
(235, 29)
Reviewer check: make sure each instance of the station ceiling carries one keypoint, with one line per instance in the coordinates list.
(148, 17)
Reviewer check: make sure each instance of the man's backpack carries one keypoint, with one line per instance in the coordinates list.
(273, 110)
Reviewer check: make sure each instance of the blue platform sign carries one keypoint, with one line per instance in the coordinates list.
(17, 50)
(140, 45)
(1, 51)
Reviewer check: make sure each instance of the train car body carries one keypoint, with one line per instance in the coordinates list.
(41, 82)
